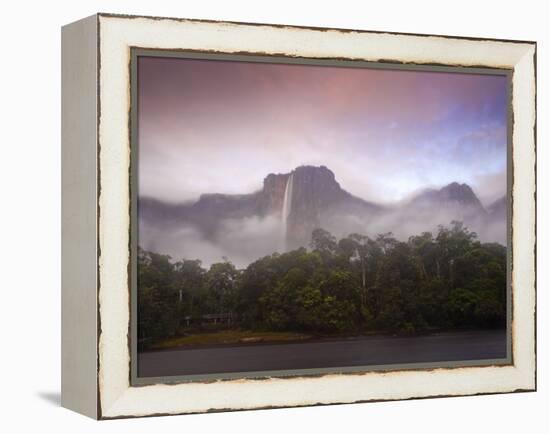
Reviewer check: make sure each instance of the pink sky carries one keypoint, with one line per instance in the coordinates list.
(218, 126)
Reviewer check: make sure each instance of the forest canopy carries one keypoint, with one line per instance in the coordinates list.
(356, 284)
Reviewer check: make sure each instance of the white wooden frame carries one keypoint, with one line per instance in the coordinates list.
(96, 218)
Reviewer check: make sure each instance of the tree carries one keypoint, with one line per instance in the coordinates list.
(255, 281)
(323, 241)
(221, 281)
(426, 251)
(451, 243)
(280, 304)
(400, 275)
(342, 299)
(461, 307)
(366, 253)
(189, 282)
(386, 242)
(157, 296)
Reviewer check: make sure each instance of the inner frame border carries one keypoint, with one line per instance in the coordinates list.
(136, 52)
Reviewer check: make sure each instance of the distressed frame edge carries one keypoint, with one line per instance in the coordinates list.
(79, 141)
(529, 386)
(304, 27)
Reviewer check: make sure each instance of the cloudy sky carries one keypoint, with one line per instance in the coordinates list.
(220, 127)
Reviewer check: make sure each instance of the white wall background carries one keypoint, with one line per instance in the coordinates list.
(30, 216)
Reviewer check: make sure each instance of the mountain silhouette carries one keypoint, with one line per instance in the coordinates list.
(316, 196)
(309, 197)
(450, 195)
(498, 208)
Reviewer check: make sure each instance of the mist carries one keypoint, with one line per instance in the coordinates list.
(240, 241)
(243, 241)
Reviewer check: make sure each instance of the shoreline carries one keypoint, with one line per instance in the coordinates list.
(320, 339)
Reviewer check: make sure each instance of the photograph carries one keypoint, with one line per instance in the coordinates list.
(266, 217)
(308, 217)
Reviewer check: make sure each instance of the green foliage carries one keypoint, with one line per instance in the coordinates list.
(157, 296)
(354, 284)
(323, 241)
(220, 287)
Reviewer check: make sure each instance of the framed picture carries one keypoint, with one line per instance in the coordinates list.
(261, 216)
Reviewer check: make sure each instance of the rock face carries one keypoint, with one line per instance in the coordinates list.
(452, 202)
(452, 195)
(313, 198)
(498, 208)
(271, 197)
(315, 201)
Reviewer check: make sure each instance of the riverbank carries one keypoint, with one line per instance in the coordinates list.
(228, 337)
(239, 337)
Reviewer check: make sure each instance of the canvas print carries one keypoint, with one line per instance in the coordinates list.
(303, 217)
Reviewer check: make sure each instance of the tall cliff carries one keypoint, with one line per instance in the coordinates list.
(313, 197)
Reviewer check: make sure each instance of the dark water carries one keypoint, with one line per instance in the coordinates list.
(360, 351)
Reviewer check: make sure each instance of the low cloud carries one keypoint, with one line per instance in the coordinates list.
(239, 240)
(243, 241)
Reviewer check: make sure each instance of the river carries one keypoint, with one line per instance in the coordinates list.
(348, 352)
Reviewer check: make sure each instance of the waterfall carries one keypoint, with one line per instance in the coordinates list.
(287, 207)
